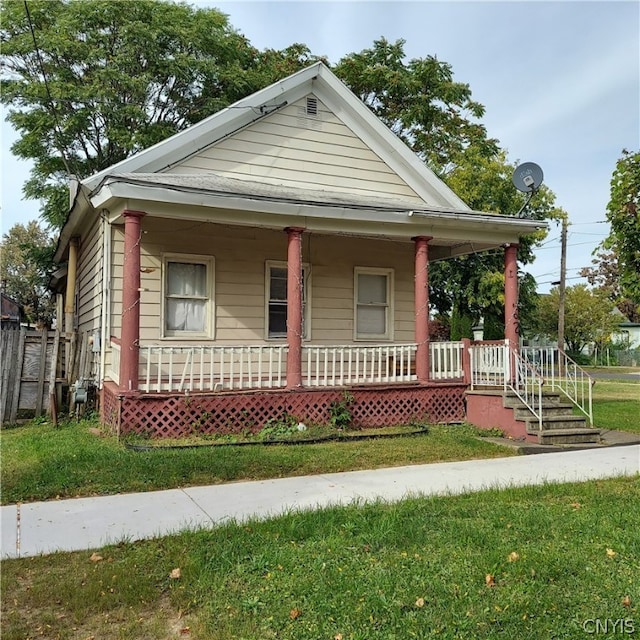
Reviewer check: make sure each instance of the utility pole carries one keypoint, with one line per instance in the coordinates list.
(563, 277)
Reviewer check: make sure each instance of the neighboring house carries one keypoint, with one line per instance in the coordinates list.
(628, 335)
(265, 260)
(12, 312)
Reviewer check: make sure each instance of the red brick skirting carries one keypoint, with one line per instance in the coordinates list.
(177, 415)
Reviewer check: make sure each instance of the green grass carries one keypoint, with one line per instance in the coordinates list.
(41, 463)
(616, 405)
(558, 555)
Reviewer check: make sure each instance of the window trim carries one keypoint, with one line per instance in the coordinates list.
(306, 297)
(389, 309)
(210, 306)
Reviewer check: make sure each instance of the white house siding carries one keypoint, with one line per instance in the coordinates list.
(292, 149)
(89, 285)
(240, 255)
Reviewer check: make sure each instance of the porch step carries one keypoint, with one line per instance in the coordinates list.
(552, 423)
(569, 436)
(559, 425)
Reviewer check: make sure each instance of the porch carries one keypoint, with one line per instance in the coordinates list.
(197, 389)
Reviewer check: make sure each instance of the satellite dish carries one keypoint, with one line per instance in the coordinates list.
(527, 177)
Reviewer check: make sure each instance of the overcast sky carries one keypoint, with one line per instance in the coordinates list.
(560, 82)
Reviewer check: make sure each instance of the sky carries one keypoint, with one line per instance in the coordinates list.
(560, 82)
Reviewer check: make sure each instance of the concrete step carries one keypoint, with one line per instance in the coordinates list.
(569, 436)
(548, 410)
(553, 423)
(550, 398)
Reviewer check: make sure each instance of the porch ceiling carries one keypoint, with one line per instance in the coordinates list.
(259, 204)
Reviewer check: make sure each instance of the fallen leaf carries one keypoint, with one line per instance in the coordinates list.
(95, 557)
(626, 601)
(338, 636)
(490, 580)
(575, 505)
(295, 613)
(175, 573)
(420, 602)
(513, 556)
(611, 553)
(185, 631)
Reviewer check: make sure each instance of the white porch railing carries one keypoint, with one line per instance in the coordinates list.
(445, 360)
(340, 365)
(204, 368)
(490, 366)
(565, 375)
(527, 385)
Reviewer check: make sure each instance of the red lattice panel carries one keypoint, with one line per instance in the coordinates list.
(109, 406)
(173, 416)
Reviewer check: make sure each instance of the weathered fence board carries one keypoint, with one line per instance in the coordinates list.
(29, 364)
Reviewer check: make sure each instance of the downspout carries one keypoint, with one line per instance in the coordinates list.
(69, 301)
(106, 283)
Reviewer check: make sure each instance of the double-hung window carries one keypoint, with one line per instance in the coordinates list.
(276, 300)
(373, 304)
(188, 296)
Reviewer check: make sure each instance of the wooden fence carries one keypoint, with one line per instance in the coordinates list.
(29, 367)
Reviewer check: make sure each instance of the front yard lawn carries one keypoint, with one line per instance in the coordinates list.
(40, 462)
(535, 562)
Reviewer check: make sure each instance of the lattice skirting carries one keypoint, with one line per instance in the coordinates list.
(174, 416)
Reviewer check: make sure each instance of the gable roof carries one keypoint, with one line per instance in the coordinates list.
(320, 81)
(147, 176)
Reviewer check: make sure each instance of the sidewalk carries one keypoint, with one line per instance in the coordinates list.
(87, 523)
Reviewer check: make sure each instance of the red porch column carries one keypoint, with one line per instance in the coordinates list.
(294, 307)
(511, 325)
(130, 335)
(421, 304)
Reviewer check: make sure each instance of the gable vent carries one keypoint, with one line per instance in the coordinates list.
(312, 106)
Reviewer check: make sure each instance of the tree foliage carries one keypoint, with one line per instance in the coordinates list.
(90, 83)
(419, 101)
(588, 317)
(25, 270)
(604, 275)
(623, 213)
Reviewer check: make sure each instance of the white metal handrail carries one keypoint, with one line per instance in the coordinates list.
(527, 385)
(212, 368)
(565, 375)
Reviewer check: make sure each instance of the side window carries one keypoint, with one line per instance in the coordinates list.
(276, 300)
(373, 308)
(188, 296)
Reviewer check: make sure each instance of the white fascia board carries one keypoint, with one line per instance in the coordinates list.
(185, 143)
(357, 116)
(230, 209)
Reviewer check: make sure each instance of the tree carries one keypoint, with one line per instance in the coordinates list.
(623, 213)
(90, 83)
(26, 255)
(604, 275)
(419, 101)
(437, 117)
(474, 284)
(589, 317)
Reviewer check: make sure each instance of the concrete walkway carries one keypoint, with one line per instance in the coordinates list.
(87, 523)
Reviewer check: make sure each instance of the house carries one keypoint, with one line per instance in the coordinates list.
(12, 312)
(267, 259)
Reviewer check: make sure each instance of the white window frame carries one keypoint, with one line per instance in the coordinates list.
(389, 308)
(209, 263)
(306, 299)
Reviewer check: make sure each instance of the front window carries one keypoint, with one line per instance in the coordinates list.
(276, 296)
(373, 295)
(187, 297)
